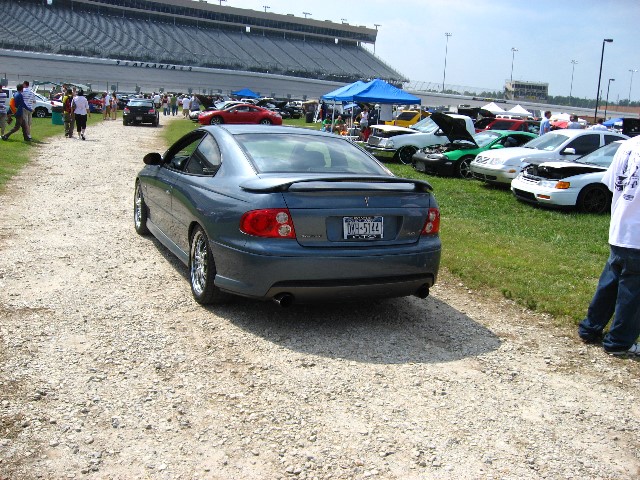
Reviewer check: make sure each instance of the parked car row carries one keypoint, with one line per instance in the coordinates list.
(560, 169)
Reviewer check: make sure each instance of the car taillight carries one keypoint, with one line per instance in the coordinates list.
(126, 110)
(152, 111)
(432, 225)
(271, 223)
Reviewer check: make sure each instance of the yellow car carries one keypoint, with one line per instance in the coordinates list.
(408, 118)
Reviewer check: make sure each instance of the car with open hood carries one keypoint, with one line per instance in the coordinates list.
(576, 184)
(400, 143)
(454, 158)
(502, 166)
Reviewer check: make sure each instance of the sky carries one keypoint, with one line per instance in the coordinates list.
(548, 35)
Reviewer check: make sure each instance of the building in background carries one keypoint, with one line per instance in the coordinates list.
(519, 90)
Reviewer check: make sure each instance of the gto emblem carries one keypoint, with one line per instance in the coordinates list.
(366, 201)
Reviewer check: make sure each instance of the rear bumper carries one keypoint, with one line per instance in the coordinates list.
(317, 274)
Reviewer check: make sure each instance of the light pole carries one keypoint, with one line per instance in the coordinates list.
(306, 14)
(374, 43)
(631, 83)
(266, 7)
(513, 56)
(221, 1)
(573, 67)
(343, 20)
(446, 48)
(607, 103)
(595, 115)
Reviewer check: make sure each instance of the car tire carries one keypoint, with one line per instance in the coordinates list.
(156, 123)
(125, 123)
(139, 212)
(40, 112)
(463, 167)
(265, 121)
(216, 120)
(594, 199)
(405, 155)
(202, 269)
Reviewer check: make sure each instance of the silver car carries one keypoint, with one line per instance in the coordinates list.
(502, 166)
(288, 214)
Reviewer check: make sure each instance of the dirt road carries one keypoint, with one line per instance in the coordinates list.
(109, 370)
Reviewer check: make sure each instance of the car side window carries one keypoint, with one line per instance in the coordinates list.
(206, 159)
(179, 155)
(610, 138)
(585, 144)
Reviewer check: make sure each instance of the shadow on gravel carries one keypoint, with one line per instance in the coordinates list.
(392, 331)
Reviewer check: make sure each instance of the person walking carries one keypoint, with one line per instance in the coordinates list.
(174, 105)
(67, 111)
(30, 101)
(81, 112)
(186, 105)
(545, 125)
(618, 292)
(20, 107)
(4, 118)
(165, 105)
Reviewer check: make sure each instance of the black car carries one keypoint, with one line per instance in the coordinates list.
(140, 110)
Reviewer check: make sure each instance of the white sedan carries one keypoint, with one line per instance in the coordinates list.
(568, 184)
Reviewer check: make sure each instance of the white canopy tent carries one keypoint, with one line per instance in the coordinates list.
(518, 110)
(493, 108)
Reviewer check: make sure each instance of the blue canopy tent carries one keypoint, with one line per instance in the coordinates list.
(379, 91)
(246, 93)
(340, 91)
(612, 121)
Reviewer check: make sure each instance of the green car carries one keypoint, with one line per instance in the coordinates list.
(454, 158)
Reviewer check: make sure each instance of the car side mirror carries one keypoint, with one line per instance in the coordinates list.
(152, 159)
(569, 151)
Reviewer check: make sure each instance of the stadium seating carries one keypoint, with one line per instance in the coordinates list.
(58, 29)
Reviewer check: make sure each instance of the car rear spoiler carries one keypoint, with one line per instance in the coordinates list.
(280, 184)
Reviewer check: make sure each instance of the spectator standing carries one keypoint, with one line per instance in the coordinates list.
(599, 125)
(186, 105)
(574, 124)
(165, 105)
(157, 101)
(114, 106)
(20, 107)
(106, 107)
(81, 112)
(30, 101)
(3, 111)
(545, 125)
(195, 104)
(618, 291)
(67, 111)
(174, 104)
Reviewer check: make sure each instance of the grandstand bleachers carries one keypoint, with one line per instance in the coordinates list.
(82, 31)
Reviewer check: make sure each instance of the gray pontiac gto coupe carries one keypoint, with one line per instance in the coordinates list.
(288, 214)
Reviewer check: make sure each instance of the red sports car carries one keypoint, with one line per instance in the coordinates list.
(244, 113)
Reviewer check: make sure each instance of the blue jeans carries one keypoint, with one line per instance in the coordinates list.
(617, 296)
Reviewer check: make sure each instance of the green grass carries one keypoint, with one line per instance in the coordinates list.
(546, 260)
(15, 153)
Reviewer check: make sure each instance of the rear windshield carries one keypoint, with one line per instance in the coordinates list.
(140, 103)
(287, 153)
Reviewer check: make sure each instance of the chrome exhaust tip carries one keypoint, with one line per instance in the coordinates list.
(422, 292)
(284, 300)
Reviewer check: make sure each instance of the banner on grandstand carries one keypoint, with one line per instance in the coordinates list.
(160, 66)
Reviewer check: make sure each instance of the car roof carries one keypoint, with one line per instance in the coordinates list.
(240, 129)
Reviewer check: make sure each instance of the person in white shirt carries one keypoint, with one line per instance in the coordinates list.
(81, 112)
(599, 125)
(3, 111)
(618, 291)
(30, 101)
(186, 105)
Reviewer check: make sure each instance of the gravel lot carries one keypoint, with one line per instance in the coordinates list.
(109, 370)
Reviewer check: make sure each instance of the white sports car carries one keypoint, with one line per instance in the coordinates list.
(568, 184)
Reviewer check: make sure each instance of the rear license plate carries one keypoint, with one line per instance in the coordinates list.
(139, 119)
(362, 228)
